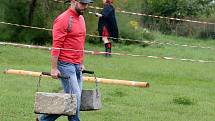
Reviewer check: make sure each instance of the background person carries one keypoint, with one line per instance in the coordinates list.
(107, 25)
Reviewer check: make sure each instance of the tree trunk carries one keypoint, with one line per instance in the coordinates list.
(31, 11)
(46, 10)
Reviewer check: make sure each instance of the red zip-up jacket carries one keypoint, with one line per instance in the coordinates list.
(68, 39)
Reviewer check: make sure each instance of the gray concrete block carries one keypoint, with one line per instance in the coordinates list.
(55, 103)
(90, 100)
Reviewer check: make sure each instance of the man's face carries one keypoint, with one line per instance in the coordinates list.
(109, 1)
(80, 7)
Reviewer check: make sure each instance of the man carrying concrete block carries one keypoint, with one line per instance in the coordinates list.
(67, 55)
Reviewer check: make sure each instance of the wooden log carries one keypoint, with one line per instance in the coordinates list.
(85, 78)
(117, 82)
(23, 72)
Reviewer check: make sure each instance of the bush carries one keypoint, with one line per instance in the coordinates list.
(131, 28)
(185, 9)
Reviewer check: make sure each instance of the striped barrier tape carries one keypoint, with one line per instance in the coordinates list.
(149, 15)
(97, 52)
(123, 39)
(32, 27)
(155, 16)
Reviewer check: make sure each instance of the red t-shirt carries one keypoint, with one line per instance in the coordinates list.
(69, 45)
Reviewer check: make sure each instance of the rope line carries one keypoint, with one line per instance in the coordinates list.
(25, 26)
(155, 16)
(123, 39)
(183, 45)
(98, 52)
(32, 27)
(149, 15)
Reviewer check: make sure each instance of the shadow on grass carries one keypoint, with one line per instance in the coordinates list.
(182, 100)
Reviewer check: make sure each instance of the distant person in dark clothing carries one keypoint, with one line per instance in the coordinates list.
(107, 25)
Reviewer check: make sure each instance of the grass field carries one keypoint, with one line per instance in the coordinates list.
(179, 91)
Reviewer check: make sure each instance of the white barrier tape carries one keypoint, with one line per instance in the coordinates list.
(190, 46)
(142, 14)
(32, 27)
(155, 16)
(140, 41)
(94, 52)
(25, 26)
(154, 42)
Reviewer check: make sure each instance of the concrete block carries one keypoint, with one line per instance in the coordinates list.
(55, 103)
(90, 100)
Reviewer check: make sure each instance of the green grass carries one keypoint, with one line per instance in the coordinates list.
(179, 91)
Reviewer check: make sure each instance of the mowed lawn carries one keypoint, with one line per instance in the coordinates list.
(179, 90)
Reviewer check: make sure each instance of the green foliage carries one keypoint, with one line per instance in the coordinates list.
(131, 28)
(126, 29)
(43, 12)
(185, 9)
(178, 8)
(21, 12)
(14, 13)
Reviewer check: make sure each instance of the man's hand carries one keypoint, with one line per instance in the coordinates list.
(98, 14)
(55, 73)
(82, 67)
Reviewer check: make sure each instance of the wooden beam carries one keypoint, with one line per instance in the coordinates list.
(85, 78)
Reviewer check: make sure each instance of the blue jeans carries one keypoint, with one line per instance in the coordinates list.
(73, 85)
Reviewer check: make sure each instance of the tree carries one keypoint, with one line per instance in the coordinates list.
(178, 8)
(189, 9)
(32, 13)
